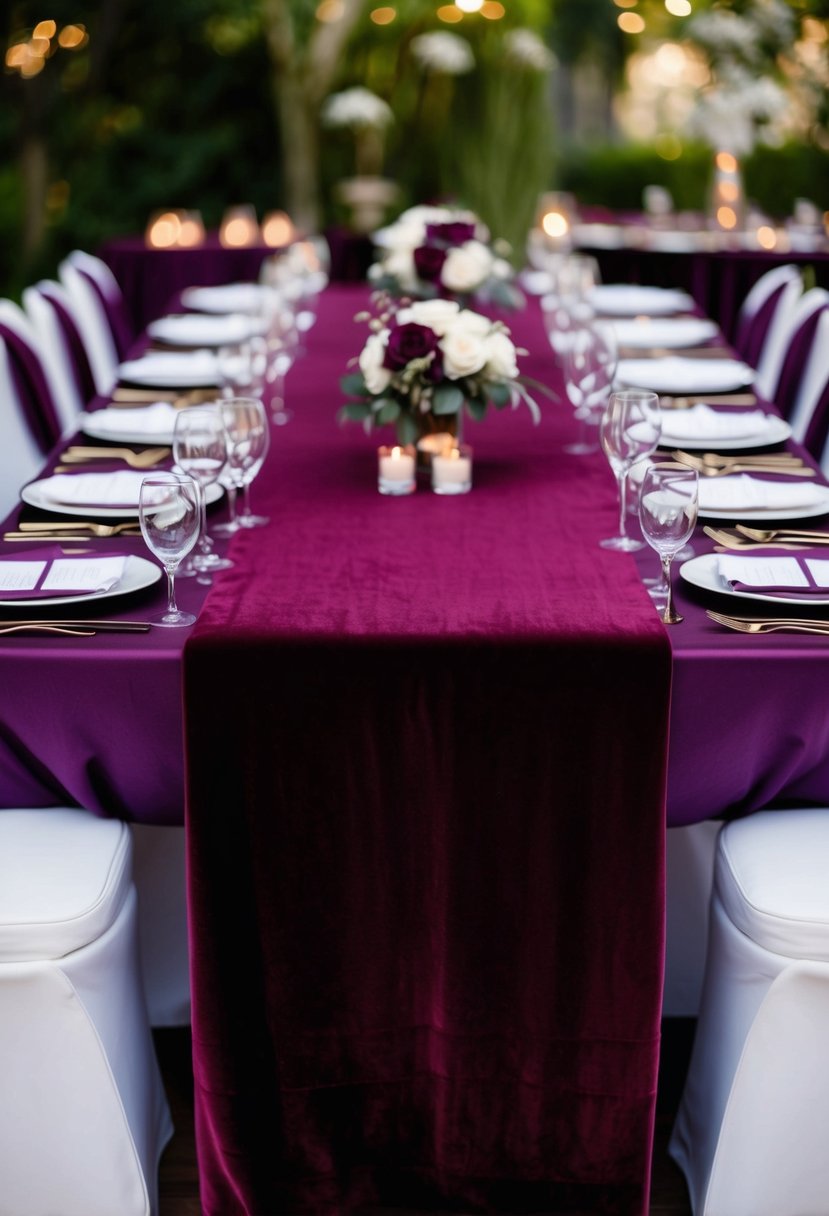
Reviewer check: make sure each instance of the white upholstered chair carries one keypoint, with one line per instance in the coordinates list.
(20, 455)
(83, 1116)
(93, 324)
(759, 306)
(750, 1134)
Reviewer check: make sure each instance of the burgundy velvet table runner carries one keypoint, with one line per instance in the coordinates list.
(426, 753)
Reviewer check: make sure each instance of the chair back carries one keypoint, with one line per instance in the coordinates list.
(759, 307)
(33, 395)
(20, 454)
(770, 358)
(93, 326)
(108, 290)
(50, 309)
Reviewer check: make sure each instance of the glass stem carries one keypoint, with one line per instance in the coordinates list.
(623, 494)
(666, 559)
(171, 588)
(246, 500)
(205, 543)
(231, 490)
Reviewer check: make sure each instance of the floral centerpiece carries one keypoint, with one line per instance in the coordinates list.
(443, 251)
(426, 362)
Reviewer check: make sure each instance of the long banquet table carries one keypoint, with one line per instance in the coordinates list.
(426, 751)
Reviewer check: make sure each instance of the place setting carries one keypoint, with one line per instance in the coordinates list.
(195, 330)
(186, 369)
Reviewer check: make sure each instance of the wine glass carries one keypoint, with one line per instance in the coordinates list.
(200, 449)
(630, 428)
(169, 511)
(242, 366)
(668, 506)
(246, 424)
(589, 360)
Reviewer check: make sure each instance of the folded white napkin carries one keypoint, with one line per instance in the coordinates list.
(663, 331)
(195, 329)
(701, 422)
(225, 298)
(721, 495)
(119, 489)
(809, 576)
(178, 369)
(150, 420)
(626, 300)
(675, 374)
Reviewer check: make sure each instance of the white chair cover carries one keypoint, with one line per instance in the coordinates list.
(55, 355)
(791, 312)
(20, 456)
(750, 1132)
(93, 325)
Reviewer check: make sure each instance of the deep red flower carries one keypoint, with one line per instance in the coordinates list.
(453, 232)
(407, 342)
(428, 260)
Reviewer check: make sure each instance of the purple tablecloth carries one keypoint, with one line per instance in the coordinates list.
(425, 849)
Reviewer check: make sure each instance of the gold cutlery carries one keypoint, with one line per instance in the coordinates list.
(79, 525)
(769, 534)
(720, 466)
(669, 402)
(685, 352)
(141, 396)
(55, 630)
(729, 541)
(717, 459)
(102, 626)
(770, 624)
(136, 460)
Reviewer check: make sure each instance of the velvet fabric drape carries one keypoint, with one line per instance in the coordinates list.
(426, 772)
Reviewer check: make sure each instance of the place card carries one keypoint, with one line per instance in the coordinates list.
(47, 577)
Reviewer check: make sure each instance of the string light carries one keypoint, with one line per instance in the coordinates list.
(28, 57)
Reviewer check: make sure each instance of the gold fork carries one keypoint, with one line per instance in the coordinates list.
(769, 624)
(136, 460)
(729, 541)
(769, 534)
(83, 525)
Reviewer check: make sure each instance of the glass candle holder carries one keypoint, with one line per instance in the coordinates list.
(396, 470)
(452, 470)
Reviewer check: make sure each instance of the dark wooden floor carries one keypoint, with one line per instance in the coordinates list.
(179, 1182)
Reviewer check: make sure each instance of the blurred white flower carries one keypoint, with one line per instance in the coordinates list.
(525, 49)
(357, 107)
(439, 315)
(441, 51)
(502, 360)
(466, 267)
(376, 376)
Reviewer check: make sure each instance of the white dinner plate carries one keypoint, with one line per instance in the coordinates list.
(777, 431)
(675, 332)
(629, 300)
(702, 572)
(199, 329)
(138, 574)
(171, 369)
(680, 374)
(97, 425)
(33, 495)
(224, 298)
(820, 506)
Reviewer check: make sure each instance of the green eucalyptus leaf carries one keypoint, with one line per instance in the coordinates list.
(355, 411)
(499, 394)
(353, 385)
(407, 429)
(448, 399)
(389, 410)
(476, 408)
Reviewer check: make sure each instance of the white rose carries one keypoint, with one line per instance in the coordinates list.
(464, 353)
(371, 358)
(439, 315)
(400, 265)
(501, 359)
(469, 322)
(466, 266)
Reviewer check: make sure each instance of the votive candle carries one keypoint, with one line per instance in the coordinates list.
(396, 470)
(452, 470)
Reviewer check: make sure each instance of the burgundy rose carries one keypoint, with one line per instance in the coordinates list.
(407, 342)
(454, 232)
(428, 260)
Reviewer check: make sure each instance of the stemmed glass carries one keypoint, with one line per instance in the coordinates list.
(246, 424)
(589, 360)
(668, 506)
(169, 511)
(631, 427)
(200, 449)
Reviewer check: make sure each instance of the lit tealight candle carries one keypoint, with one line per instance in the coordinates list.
(396, 470)
(239, 227)
(452, 470)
